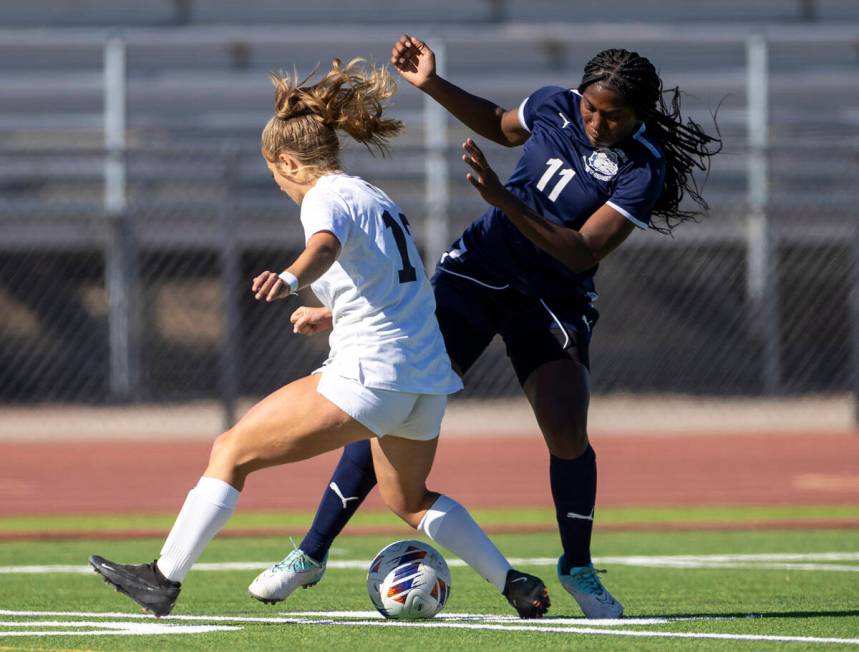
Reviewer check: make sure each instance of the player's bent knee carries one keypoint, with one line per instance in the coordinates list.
(568, 441)
(226, 456)
(220, 449)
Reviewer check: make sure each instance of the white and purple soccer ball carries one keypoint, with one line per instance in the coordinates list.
(408, 579)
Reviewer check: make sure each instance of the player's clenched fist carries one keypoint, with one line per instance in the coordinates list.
(309, 321)
(414, 60)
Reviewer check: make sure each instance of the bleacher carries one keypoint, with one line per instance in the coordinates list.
(181, 13)
(202, 86)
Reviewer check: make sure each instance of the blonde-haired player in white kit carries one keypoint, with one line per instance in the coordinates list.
(388, 374)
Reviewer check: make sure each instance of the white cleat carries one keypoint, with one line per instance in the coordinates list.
(583, 583)
(278, 582)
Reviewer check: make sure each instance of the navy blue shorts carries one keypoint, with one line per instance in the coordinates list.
(472, 307)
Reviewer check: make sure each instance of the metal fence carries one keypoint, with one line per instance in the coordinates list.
(125, 266)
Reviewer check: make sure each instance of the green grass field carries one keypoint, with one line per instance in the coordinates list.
(689, 515)
(766, 589)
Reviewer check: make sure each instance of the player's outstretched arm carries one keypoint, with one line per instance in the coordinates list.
(320, 253)
(415, 62)
(579, 250)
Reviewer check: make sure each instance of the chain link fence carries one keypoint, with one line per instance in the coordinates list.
(151, 303)
(676, 312)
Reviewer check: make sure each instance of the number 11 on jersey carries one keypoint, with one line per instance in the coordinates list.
(566, 174)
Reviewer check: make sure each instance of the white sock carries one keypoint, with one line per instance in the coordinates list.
(449, 524)
(207, 509)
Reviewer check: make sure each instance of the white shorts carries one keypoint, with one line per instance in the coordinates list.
(385, 412)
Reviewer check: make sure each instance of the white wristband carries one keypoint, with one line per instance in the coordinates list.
(290, 280)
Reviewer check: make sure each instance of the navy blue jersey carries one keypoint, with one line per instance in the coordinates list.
(565, 179)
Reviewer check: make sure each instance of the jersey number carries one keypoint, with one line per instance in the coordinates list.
(407, 273)
(566, 175)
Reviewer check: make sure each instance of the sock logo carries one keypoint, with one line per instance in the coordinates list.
(589, 517)
(343, 499)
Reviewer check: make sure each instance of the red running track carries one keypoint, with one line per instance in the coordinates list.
(142, 477)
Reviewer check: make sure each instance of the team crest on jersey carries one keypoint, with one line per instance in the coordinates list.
(604, 163)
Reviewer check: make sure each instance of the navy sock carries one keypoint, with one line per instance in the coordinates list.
(574, 489)
(353, 478)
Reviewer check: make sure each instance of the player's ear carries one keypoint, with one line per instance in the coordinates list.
(289, 163)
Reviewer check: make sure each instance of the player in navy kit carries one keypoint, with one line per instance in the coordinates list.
(598, 162)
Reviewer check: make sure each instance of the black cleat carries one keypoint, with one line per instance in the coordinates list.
(143, 583)
(526, 594)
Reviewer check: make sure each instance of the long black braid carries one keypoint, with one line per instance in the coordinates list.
(685, 145)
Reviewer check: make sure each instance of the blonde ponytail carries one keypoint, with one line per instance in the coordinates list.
(306, 120)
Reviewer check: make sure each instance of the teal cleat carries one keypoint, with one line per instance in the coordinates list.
(583, 583)
(278, 582)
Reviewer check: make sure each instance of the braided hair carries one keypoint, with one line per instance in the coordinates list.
(684, 144)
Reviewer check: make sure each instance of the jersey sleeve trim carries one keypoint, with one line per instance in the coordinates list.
(521, 114)
(628, 215)
(639, 136)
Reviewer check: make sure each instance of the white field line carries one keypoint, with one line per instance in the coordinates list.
(771, 556)
(101, 628)
(789, 561)
(604, 632)
(317, 617)
(522, 626)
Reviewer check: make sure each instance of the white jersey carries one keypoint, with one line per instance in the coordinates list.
(385, 332)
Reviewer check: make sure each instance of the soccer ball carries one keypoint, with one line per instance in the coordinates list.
(408, 579)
